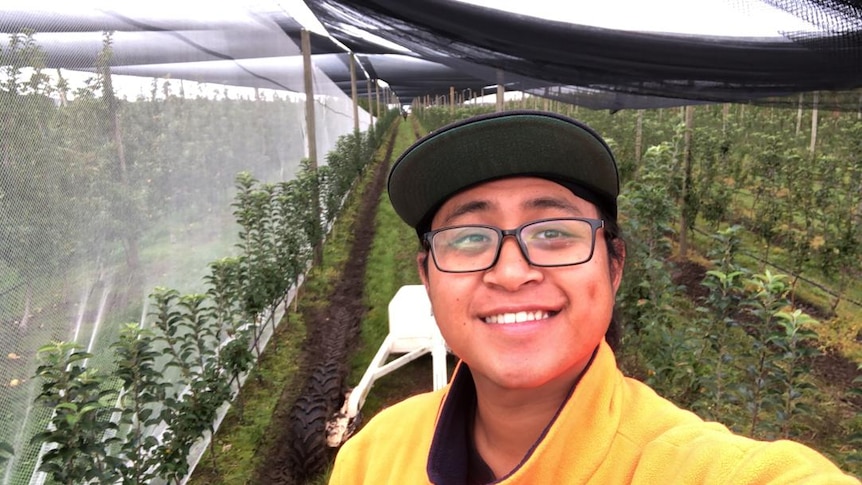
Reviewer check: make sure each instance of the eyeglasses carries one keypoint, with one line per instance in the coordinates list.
(545, 243)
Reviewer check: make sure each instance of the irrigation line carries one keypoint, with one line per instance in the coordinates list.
(829, 291)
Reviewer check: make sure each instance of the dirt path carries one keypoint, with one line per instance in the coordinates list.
(298, 449)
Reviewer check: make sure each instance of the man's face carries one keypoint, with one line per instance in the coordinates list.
(568, 308)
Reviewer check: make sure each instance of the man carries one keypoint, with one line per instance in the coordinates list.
(522, 259)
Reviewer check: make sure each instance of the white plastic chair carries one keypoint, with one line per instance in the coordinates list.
(413, 333)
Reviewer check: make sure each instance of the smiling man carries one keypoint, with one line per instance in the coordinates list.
(522, 257)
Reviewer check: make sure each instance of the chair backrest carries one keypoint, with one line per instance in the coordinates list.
(410, 317)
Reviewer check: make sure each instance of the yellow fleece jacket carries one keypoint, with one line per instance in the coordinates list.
(612, 430)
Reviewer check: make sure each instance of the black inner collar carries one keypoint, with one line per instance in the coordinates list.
(453, 458)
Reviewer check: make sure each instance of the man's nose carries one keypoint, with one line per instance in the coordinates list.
(513, 269)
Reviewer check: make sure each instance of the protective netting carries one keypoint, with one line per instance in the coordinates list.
(122, 129)
(817, 47)
(121, 135)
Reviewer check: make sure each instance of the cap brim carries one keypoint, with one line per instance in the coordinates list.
(498, 145)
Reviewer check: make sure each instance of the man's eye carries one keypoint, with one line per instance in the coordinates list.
(470, 240)
(552, 234)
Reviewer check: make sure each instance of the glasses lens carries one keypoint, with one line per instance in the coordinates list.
(558, 242)
(465, 248)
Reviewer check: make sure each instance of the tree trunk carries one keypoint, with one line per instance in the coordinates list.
(129, 236)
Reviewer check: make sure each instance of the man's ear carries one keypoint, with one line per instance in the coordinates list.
(422, 267)
(617, 264)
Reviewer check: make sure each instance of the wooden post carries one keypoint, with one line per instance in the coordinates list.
(639, 136)
(500, 91)
(353, 94)
(368, 89)
(686, 182)
(309, 98)
(377, 95)
(799, 114)
(305, 41)
(451, 100)
(814, 110)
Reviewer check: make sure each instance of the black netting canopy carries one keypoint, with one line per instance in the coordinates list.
(128, 127)
(810, 45)
(614, 54)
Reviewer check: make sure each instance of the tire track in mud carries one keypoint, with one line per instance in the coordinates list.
(298, 449)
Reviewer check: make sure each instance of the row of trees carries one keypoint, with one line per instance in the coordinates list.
(742, 352)
(176, 374)
(107, 196)
(755, 167)
(83, 173)
(90, 183)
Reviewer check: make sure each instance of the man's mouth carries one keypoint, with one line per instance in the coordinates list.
(519, 317)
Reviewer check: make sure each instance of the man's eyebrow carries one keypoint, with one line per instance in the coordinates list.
(552, 203)
(466, 208)
(537, 203)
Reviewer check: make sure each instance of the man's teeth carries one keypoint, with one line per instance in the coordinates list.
(519, 317)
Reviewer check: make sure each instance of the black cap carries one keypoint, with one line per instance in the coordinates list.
(500, 145)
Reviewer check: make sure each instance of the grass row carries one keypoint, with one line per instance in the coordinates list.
(391, 265)
(245, 435)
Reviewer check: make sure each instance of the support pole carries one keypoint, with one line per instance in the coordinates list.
(686, 182)
(311, 130)
(354, 96)
(368, 89)
(309, 98)
(377, 95)
(639, 136)
(451, 100)
(814, 116)
(500, 91)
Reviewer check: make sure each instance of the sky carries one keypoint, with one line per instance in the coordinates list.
(723, 18)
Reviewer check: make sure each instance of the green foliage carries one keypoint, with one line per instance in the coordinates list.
(144, 391)
(650, 210)
(711, 194)
(176, 376)
(720, 323)
(82, 407)
(795, 347)
(435, 117)
(666, 350)
(770, 296)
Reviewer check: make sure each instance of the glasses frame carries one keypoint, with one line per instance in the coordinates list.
(595, 225)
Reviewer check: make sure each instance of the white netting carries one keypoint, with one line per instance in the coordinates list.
(102, 200)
